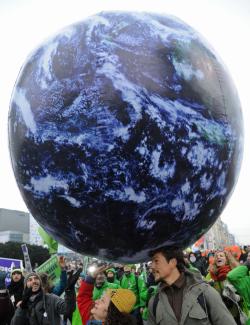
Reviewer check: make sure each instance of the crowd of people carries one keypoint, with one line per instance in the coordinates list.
(174, 287)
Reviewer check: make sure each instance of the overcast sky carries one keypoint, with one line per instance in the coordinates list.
(24, 24)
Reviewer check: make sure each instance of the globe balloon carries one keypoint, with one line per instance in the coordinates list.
(125, 134)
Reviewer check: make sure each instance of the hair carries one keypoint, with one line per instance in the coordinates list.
(230, 260)
(115, 317)
(46, 282)
(170, 253)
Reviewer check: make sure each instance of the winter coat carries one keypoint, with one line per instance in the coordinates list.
(131, 282)
(212, 312)
(98, 292)
(240, 279)
(46, 310)
(201, 265)
(16, 290)
(219, 286)
(150, 293)
(116, 281)
(84, 299)
(6, 308)
(143, 290)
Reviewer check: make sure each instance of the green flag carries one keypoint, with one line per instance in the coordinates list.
(48, 240)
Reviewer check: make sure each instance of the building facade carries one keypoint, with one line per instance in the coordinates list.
(218, 236)
(14, 226)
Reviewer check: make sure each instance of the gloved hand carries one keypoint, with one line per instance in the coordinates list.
(27, 292)
(2, 280)
(72, 279)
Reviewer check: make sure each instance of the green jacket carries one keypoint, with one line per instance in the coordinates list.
(98, 292)
(240, 279)
(150, 293)
(76, 318)
(116, 281)
(130, 282)
(192, 312)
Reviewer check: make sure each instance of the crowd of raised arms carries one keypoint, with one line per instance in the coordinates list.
(173, 287)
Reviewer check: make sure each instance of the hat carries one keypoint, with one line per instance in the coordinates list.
(29, 275)
(110, 270)
(123, 299)
(17, 271)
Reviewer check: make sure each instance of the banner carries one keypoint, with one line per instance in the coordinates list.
(52, 268)
(26, 256)
(9, 264)
(48, 240)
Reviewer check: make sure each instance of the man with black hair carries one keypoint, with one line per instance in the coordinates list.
(183, 298)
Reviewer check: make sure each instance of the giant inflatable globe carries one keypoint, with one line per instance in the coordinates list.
(125, 133)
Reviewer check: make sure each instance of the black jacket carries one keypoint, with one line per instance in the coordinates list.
(46, 309)
(16, 290)
(6, 308)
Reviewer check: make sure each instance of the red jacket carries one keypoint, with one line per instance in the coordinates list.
(84, 300)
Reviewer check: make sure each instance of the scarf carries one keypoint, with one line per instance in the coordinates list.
(221, 273)
(14, 287)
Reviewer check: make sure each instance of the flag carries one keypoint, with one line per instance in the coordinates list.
(48, 240)
(199, 242)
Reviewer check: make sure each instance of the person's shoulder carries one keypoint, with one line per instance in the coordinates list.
(193, 276)
(52, 297)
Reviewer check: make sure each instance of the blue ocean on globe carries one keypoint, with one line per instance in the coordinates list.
(125, 134)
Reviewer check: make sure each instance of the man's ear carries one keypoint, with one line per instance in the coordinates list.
(173, 262)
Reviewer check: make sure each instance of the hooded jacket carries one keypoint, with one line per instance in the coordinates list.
(98, 292)
(192, 313)
(116, 281)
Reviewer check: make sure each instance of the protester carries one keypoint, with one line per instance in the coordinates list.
(130, 281)
(40, 308)
(111, 276)
(6, 306)
(183, 297)
(240, 279)
(224, 262)
(151, 288)
(150, 276)
(101, 285)
(245, 251)
(112, 309)
(16, 286)
(188, 264)
(199, 262)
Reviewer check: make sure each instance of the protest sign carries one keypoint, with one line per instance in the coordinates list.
(52, 268)
(26, 256)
